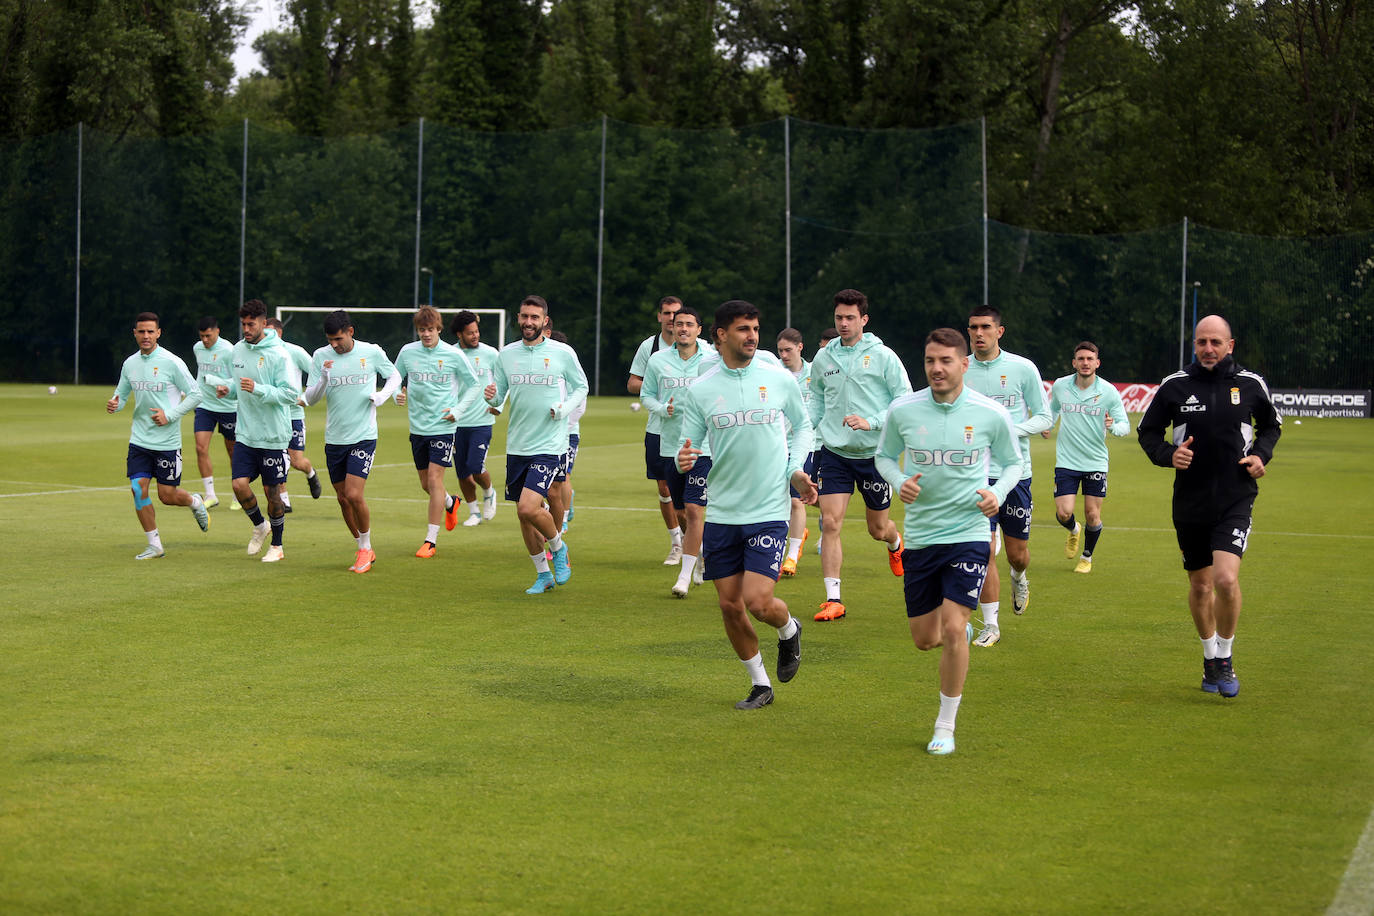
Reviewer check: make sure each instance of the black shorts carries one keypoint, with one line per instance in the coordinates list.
(1230, 532)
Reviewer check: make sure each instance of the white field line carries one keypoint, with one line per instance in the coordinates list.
(1355, 896)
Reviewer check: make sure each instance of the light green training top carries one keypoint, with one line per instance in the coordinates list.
(951, 446)
(667, 376)
(1014, 382)
(863, 379)
(474, 412)
(1082, 441)
(640, 367)
(162, 381)
(438, 379)
(350, 386)
(265, 413)
(298, 367)
(743, 414)
(545, 383)
(214, 366)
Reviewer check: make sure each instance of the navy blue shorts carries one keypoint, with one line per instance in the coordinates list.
(529, 472)
(809, 466)
(689, 487)
(841, 475)
(162, 466)
(943, 572)
(470, 444)
(297, 443)
(1067, 481)
(355, 459)
(569, 457)
(1014, 515)
(207, 420)
(268, 463)
(427, 450)
(727, 550)
(1230, 533)
(654, 468)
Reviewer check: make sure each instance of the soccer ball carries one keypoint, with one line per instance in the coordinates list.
(634, 405)
(52, 389)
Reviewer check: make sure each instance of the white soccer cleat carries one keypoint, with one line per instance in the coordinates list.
(210, 501)
(942, 744)
(473, 520)
(679, 589)
(674, 555)
(260, 533)
(274, 554)
(489, 506)
(201, 512)
(1020, 594)
(990, 637)
(150, 553)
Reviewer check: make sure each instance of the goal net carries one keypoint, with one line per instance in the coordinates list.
(388, 328)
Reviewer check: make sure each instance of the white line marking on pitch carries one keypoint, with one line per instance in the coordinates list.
(1355, 896)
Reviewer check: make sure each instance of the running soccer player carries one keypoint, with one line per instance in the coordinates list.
(947, 435)
(743, 407)
(670, 373)
(212, 355)
(546, 384)
(561, 493)
(853, 380)
(297, 367)
(166, 393)
(1087, 408)
(1014, 382)
(790, 347)
(346, 371)
(472, 437)
(265, 393)
(653, 465)
(439, 380)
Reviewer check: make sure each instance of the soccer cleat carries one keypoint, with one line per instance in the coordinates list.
(674, 554)
(1075, 539)
(234, 504)
(473, 520)
(698, 573)
(562, 569)
(1020, 594)
(830, 610)
(363, 560)
(426, 550)
(315, 489)
(789, 568)
(260, 533)
(942, 745)
(990, 637)
(968, 633)
(1209, 676)
(210, 501)
(1227, 684)
(789, 655)
(818, 545)
(1085, 565)
(201, 512)
(489, 506)
(758, 698)
(150, 553)
(894, 558)
(286, 508)
(680, 590)
(543, 583)
(274, 554)
(451, 515)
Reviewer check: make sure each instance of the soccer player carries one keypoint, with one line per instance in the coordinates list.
(346, 371)
(546, 384)
(653, 465)
(743, 407)
(166, 393)
(212, 355)
(853, 380)
(439, 381)
(790, 347)
(472, 437)
(1087, 408)
(1014, 382)
(297, 367)
(947, 435)
(1225, 428)
(265, 393)
(670, 373)
(561, 493)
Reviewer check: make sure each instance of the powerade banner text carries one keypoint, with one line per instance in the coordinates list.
(1320, 402)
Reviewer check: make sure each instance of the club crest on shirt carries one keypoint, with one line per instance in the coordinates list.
(546, 362)
(261, 360)
(968, 435)
(441, 363)
(1004, 381)
(155, 374)
(868, 358)
(362, 362)
(1235, 395)
(763, 393)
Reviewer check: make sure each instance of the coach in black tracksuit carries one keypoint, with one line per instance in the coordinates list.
(1224, 431)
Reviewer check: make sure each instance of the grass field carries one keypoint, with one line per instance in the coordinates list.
(207, 733)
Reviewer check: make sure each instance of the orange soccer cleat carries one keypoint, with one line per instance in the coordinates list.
(830, 610)
(426, 550)
(363, 561)
(894, 558)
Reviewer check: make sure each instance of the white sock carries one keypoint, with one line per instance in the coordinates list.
(365, 539)
(566, 513)
(789, 629)
(209, 484)
(676, 535)
(793, 549)
(489, 494)
(154, 539)
(894, 546)
(556, 543)
(949, 711)
(311, 475)
(449, 500)
(757, 673)
(1017, 575)
(989, 611)
(285, 498)
(541, 562)
(684, 577)
(832, 589)
(1224, 646)
(196, 500)
(432, 534)
(1209, 646)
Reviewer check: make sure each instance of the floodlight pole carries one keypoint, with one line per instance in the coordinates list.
(1183, 297)
(243, 212)
(984, 122)
(419, 183)
(600, 242)
(787, 216)
(76, 338)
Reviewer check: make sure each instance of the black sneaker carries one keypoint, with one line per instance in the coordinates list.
(1227, 684)
(789, 655)
(758, 698)
(315, 489)
(1209, 675)
(286, 507)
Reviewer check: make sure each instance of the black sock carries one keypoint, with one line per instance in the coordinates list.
(254, 515)
(1091, 542)
(278, 525)
(1067, 524)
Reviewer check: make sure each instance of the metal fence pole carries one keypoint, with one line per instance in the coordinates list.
(419, 182)
(1183, 297)
(787, 213)
(76, 331)
(984, 122)
(243, 213)
(600, 243)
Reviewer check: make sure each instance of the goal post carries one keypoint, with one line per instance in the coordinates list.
(388, 333)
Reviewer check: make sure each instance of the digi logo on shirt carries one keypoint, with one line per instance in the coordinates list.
(531, 378)
(951, 457)
(757, 417)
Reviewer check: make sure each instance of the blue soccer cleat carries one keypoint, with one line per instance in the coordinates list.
(942, 744)
(1227, 683)
(562, 571)
(542, 584)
